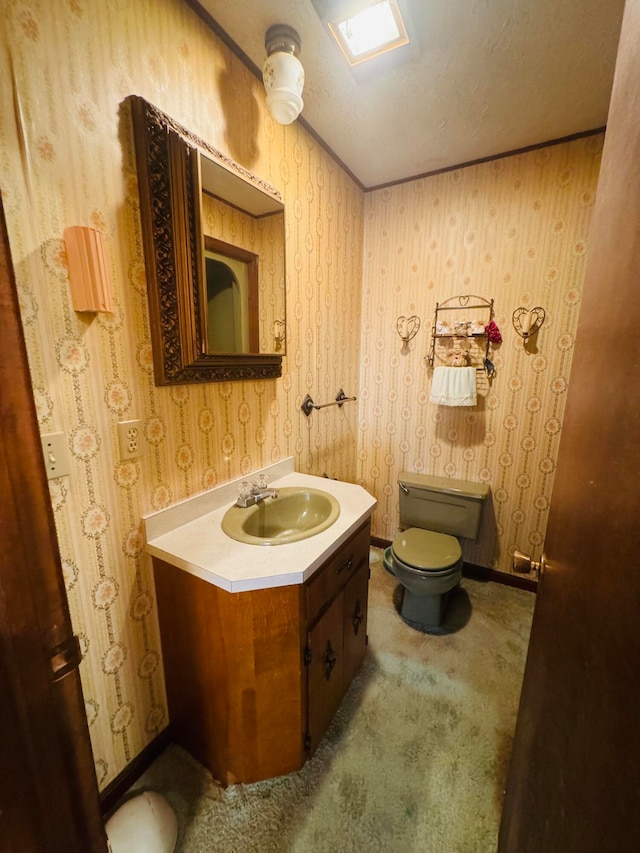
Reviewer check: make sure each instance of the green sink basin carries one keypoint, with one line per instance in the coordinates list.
(297, 513)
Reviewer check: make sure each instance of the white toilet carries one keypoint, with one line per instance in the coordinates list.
(425, 556)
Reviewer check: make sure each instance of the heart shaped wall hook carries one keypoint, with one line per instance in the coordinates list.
(527, 322)
(407, 327)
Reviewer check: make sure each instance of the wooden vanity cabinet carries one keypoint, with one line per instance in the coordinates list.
(254, 678)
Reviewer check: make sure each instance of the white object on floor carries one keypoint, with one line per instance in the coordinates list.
(454, 386)
(144, 824)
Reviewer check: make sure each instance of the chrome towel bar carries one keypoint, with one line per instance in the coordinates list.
(308, 404)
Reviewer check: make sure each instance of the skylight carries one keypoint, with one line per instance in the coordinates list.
(373, 30)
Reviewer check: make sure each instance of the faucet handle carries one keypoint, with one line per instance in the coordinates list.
(244, 489)
(262, 481)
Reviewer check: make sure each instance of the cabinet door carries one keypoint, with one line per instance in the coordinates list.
(325, 668)
(356, 596)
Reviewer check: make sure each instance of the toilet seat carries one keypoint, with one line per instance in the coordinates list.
(426, 551)
(428, 566)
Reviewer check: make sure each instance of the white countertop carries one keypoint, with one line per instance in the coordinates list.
(189, 534)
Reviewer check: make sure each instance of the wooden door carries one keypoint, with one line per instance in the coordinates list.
(574, 778)
(48, 787)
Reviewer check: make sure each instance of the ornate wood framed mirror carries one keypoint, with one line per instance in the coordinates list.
(199, 281)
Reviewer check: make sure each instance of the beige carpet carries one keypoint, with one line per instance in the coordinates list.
(415, 759)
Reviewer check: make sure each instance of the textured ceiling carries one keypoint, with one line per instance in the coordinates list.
(480, 78)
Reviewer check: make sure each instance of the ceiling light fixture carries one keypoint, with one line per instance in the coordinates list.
(283, 74)
(372, 30)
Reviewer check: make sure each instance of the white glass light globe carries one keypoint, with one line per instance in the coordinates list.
(283, 77)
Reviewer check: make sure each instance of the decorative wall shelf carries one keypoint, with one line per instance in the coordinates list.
(458, 334)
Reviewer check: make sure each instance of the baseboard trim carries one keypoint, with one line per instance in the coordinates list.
(118, 787)
(481, 573)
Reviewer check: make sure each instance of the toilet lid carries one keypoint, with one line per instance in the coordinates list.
(424, 549)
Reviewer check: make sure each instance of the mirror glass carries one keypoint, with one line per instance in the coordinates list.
(214, 255)
(243, 232)
(231, 276)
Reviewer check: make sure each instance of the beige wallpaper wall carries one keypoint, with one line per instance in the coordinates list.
(66, 158)
(513, 230)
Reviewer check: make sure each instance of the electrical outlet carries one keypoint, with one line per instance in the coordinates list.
(56, 454)
(130, 439)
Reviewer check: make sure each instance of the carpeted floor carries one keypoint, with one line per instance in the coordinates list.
(415, 759)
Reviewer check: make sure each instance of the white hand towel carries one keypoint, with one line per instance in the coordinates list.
(454, 386)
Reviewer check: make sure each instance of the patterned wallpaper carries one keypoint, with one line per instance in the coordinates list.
(66, 158)
(513, 230)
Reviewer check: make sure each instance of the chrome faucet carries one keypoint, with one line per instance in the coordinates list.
(254, 493)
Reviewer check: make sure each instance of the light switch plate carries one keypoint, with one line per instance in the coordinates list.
(56, 454)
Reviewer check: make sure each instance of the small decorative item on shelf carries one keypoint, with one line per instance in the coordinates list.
(461, 328)
(476, 327)
(407, 328)
(493, 333)
(443, 328)
(526, 323)
(457, 358)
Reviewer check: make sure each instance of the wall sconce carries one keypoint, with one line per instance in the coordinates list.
(526, 323)
(283, 74)
(88, 275)
(278, 334)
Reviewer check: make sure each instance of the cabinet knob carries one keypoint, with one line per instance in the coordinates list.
(346, 565)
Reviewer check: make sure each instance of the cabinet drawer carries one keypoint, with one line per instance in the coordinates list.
(330, 579)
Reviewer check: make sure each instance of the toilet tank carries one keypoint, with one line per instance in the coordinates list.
(441, 504)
